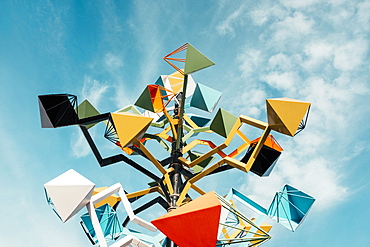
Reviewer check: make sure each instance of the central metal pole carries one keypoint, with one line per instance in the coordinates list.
(177, 145)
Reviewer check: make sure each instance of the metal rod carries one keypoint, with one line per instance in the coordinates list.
(182, 110)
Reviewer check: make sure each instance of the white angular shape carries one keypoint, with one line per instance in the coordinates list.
(129, 240)
(69, 193)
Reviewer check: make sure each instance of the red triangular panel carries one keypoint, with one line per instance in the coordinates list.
(194, 224)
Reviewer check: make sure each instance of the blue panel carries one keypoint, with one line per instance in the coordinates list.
(250, 202)
(290, 206)
(108, 220)
(51, 204)
(199, 120)
(205, 98)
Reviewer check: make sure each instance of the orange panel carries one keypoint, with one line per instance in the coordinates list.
(270, 142)
(194, 224)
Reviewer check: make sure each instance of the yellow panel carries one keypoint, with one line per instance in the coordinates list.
(111, 200)
(177, 74)
(129, 126)
(285, 115)
(176, 80)
(176, 84)
(157, 101)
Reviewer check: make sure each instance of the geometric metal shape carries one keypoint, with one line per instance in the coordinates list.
(290, 206)
(97, 227)
(199, 217)
(57, 110)
(85, 110)
(223, 122)
(174, 83)
(194, 59)
(151, 98)
(237, 228)
(200, 166)
(255, 207)
(112, 200)
(200, 121)
(205, 98)
(265, 161)
(285, 115)
(108, 220)
(270, 142)
(145, 100)
(126, 126)
(68, 193)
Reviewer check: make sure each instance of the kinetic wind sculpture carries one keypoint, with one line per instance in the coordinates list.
(208, 220)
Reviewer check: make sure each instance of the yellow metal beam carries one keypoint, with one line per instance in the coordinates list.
(145, 192)
(258, 148)
(254, 122)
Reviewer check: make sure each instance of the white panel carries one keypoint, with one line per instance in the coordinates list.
(69, 192)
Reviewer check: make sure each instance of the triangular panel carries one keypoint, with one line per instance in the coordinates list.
(285, 115)
(85, 110)
(200, 218)
(205, 98)
(129, 126)
(223, 122)
(195, 60)
(57, 110)
(69, 193)
(144, 101)
(290, 206)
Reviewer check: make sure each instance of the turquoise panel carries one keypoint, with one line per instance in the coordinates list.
(247, 200)
(290, 206)
(108, 220)
(205, 98)
(51, 204)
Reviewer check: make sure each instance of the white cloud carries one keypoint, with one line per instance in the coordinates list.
(312, 58)
(319, 53)
(93, 90)
(263, 13)
(227, 25)
(285, 81)
(280, 61)
(341, 16)
(113, 62)
(252, 103)
(292, 28)
(298, 3)
(363, 16)
(250, 60)
(350, 55)
(80, 147)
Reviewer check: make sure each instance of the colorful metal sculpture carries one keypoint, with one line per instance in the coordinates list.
(164, 120)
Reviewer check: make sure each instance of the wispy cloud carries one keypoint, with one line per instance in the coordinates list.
(226, 27)
(93, 90)
(300, 59)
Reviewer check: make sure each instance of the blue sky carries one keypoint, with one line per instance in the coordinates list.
(107, 51)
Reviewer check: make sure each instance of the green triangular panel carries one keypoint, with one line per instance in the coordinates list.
(144, 101)
(223, 122)
(85, 110)
(205, 98)
(195, 60)
(199, 167)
